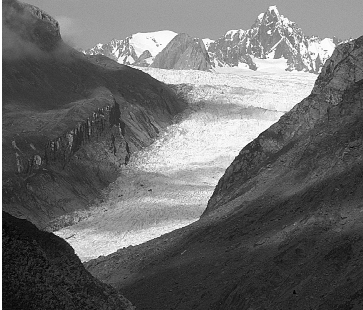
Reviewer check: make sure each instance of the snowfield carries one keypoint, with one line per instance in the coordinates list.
(167, 185)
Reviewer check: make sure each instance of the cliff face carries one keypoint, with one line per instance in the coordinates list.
(70, 121)
(183, 52)
(283, 229)
(41, 271)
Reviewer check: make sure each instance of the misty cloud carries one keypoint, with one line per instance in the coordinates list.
(69, 29)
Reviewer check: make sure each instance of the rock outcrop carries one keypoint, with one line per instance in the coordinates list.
(183, 53)
(283, 229)
(70, 121)
(41, 271)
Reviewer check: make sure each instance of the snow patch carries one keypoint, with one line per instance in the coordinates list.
(207, 42)
(152, 41)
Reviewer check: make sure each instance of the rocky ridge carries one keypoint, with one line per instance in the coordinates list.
(283, 229)
(70, 121)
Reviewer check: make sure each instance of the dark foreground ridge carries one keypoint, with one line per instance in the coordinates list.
(284, 228)
(41, 271)
(70, 121)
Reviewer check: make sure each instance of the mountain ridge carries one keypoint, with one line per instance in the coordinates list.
(129, 50)
(271, 36)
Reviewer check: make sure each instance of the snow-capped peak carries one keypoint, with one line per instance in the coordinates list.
(128, 50)
(273, 8)
(152, 41)
(207, 42)
(272, 36)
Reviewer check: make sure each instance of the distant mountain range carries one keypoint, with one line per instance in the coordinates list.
(272, 36)
(131, 49)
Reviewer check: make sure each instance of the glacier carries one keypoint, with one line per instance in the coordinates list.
(167, 185)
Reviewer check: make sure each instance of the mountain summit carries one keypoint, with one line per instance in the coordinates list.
(272, 36)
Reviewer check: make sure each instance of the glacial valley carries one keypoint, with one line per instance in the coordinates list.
(167, 185)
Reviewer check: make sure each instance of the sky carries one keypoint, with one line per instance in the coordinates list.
(85, 23)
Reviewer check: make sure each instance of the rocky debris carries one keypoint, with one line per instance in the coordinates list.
(183, 53)
(283, 229)
(41, 271)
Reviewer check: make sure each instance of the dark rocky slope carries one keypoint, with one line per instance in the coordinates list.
(70, 121)
(41, 271)
(284, 228)
(183, 53)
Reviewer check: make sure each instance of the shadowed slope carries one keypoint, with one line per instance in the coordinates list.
(41, 271)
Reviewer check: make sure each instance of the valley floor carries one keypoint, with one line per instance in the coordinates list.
(167, 185)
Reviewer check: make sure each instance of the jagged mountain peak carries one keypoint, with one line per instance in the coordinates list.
(272, 11)
(271, 36)
(273, 18)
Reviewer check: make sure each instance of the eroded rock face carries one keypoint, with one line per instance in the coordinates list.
(183, 52)
(41, 271)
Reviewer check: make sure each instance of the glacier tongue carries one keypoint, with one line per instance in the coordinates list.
(167, 185)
